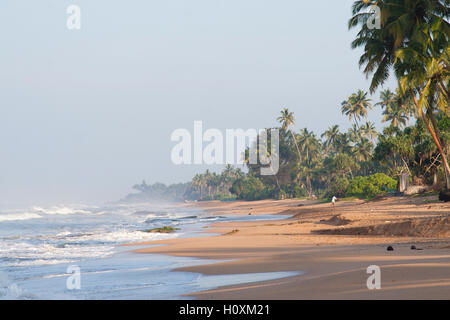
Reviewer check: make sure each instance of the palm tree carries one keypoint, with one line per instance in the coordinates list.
(343, 143)
(356, 106)
(331, 137)
(395, 115)
(354, 134)
(396, 107)
(412, 41)
(198, 182)
(369, 131)
(309, 144)
(386, 98)
(363, 150)
(287, 120)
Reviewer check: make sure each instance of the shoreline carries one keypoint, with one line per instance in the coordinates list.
(328, 245)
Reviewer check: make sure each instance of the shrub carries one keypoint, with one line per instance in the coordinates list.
(369, 187)
(339, 187)
(249, 188)
(293, 190)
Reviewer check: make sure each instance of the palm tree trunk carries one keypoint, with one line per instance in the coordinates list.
(356, 122)
(296, 145)
(436, 138)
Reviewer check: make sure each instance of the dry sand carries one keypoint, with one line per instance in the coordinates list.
(332, 245)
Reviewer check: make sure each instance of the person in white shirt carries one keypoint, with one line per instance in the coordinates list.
(333, 200)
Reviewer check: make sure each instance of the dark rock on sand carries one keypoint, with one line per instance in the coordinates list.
(390, 248)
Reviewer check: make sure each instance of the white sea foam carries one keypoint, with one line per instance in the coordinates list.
(117, 236)
(61, 210)
(68, 247)
(10, 290)
(18, 216)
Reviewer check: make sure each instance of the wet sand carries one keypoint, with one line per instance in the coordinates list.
(332, 245)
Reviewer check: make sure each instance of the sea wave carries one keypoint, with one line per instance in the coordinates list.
(66, 247)
(18, 216)
(63, 210)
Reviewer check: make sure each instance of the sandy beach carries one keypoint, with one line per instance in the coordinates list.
(333, 246)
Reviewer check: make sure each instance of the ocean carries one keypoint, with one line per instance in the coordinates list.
(74, 252)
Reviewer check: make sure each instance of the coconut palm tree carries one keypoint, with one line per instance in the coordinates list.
(309, 144)
(397, 108)
(343, 143)
(356, 106)
(310, 147)
(386, 98)
(354, 133)
(369, 131)
(363, 149)
(331, 135)
(287, 120)
(395, 114)
(414, 42)
(198, 182)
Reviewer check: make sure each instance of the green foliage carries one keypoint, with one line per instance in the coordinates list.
(293, 190)
(252, 188)
(371, 186)
(339, 187)
(248, 188)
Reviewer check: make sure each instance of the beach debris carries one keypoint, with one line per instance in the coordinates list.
(390, 248)
(413, 247)
(249, 213)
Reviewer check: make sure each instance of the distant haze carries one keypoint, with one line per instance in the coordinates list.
(85, 114)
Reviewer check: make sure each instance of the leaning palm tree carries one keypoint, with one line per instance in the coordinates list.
(287, 120)
(356, 106)
(414, 42)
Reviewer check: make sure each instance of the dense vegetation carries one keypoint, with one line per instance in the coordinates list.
(412, 43)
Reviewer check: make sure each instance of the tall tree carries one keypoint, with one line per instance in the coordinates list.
(395, 114)
(331, 136)
(412, 41)
(356, 106)
(287, 120)
(369, 131)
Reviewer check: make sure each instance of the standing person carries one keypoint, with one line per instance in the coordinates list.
(333, 200)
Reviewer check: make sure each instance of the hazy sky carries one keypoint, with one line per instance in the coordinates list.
(87, 113)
